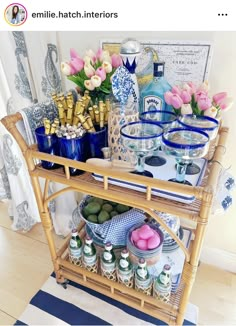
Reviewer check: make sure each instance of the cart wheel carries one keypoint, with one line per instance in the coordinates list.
(64, 284)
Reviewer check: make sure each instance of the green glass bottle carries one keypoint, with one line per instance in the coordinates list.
(143, 280)
(108, 262)
(125, 272)
(162, 284)
(89, 254)
(75, 247)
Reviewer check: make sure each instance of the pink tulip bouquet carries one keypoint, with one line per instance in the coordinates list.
(191, 99)
(93, 72)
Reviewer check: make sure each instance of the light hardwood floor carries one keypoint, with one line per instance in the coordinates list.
(25, 266)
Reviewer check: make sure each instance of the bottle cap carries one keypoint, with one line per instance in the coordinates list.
(108, 246)
(167, 268)
(124, 253)
(74, 232)
(88, 240)
(142, 262)
(158, 69)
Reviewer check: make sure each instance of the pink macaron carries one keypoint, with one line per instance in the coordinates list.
(154, 241)
(145, 232)
(142, 244)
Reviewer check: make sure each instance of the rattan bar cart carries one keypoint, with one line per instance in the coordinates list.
(198, 212)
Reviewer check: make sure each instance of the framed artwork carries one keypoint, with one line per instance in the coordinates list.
(184, 60)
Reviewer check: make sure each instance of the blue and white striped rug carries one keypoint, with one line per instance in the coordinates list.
(77, 305)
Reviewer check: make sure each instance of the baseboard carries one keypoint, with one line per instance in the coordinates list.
(220, 258)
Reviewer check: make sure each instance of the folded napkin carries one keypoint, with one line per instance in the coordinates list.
(33, 116)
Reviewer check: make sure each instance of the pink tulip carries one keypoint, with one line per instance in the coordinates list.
(176, 101)
(176, 90)
(73, 54)
(168, 97)
(186, 97)
(77, 64)
(101, 73)
(116, 60)
(89, 85)
(226, 104)
(89, 70)
(99, 54)
(204, 102)
(219, 97)
(193, 87)
(199, 94)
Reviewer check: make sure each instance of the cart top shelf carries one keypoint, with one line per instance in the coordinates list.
(85, 183)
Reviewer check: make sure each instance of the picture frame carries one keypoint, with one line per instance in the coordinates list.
(185, 61)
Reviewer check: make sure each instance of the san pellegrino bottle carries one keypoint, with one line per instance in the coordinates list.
(162, 284)
(143, 280)
(75, 248)
(108, 262)
(90, 255)
(125, 272)
(152, 95)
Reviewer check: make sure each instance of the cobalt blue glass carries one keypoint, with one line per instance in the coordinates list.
(47, 144)
(74, 149)
(97, 140)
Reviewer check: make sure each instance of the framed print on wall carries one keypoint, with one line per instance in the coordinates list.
(184, 60)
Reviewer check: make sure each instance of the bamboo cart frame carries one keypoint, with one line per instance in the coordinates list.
(199, 212)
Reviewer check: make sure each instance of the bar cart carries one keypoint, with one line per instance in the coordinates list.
(198, 212)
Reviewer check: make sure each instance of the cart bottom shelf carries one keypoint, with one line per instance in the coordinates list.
(166, 312)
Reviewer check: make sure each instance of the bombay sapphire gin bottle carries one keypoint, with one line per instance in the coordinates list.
(152, 96)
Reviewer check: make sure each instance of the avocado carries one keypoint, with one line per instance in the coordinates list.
(122, 208)
(107, 207)
(113, 213)
(112, 203)
(90, 200)
(98, 200)
(103, 217)
(93, 208)
(85, 212)
(93, 218)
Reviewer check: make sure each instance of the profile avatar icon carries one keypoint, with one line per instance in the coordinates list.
(15, 14)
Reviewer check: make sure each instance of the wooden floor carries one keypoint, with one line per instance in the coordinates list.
(25, 266)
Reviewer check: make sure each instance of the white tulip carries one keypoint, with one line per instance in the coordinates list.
(186, 109)
(87, 60)
(204, 87)
(107, 66)
(89, 70)
(105, 57)
(88, 84)
(211, 112)
(65, 68)
(96, 81)
(90, 54)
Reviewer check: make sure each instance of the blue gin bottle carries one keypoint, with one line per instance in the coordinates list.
(152, 95)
